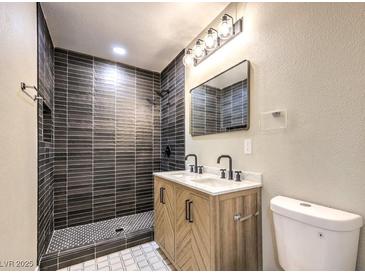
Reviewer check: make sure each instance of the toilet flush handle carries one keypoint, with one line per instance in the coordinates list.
(237, 217)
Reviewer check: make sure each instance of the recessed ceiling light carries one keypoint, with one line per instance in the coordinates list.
(119, 50)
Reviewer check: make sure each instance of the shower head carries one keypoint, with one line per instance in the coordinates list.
(160, 95)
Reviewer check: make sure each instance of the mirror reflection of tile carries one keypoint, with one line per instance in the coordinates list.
(222, 103)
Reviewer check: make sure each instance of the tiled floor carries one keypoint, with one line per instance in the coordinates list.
(145, 257)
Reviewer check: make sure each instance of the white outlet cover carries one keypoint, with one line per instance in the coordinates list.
(248, 146)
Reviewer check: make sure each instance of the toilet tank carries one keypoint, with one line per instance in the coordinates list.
(314, 237)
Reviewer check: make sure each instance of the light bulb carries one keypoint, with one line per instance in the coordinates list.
(188, 59)
(211, 40)
(119, 50)
(225, 28)
(199, 49)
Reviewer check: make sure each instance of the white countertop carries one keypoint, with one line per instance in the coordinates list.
(208, 182)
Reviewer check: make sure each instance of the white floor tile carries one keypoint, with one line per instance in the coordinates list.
(132, 267)
(145, 257)
(127, 256)
(103, 264)
(116, 267)
(128, 262)
(77, 267)
(106, 268)
(142, 263)
(159, 265)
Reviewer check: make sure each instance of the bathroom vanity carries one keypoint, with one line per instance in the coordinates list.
(206, 223)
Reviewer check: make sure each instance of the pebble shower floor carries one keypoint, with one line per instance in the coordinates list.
(78, 244)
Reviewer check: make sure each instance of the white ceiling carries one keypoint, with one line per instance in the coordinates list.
(152, 33)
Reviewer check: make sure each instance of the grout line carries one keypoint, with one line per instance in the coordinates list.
(92, 142)
(115, 139)
(66, 183)
(135, 139)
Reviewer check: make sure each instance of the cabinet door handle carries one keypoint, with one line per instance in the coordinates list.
(186, 210)
(163, 195)
(190, 211)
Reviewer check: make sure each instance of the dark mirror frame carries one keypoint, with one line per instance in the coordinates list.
(248, 99)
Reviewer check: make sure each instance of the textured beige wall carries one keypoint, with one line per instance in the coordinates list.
(18, 136)
(310, 59)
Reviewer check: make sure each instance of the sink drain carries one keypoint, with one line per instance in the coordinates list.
(119, 230)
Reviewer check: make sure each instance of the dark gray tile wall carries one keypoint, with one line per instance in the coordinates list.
(173, 115)
(45, 134)
(206, 101)
(219, 110)
(234, 106)
(107, 139)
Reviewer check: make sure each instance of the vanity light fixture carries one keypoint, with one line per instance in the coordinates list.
(188, 59)
(225, 29)
(211, 40)
(199, 49)
(214, 40)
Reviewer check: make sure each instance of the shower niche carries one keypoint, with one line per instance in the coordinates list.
(47, 123)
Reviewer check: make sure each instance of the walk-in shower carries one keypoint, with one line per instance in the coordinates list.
(100, 140)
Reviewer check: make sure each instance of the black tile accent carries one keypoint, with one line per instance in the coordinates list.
(173, 115)
(110, 246)
(107, 140)
(45, 133)
(76, 256)
(145, 239)
(49, 262)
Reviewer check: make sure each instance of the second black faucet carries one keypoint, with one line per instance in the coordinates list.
(196, 161)
(230, 171)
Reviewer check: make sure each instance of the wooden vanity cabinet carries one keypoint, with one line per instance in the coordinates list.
(198, 231)
(164, 230)
(193, 224)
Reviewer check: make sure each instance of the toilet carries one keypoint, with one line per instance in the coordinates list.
(314, 237)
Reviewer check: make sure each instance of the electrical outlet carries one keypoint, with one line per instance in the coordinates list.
(248, 146)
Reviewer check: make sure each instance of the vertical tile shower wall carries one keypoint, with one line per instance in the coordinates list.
(45, 141)
(107, 139)
(173, 115)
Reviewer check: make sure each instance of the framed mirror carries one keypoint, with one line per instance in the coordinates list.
(222, 104)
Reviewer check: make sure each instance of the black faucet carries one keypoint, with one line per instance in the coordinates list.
(196, 161)
(230, 171)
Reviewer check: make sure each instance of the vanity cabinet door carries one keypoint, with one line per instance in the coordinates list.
(192, 231)
(168, 201)
(159, 214)
(200, 233)
(164, 201)
(183, 230)
(239, 236)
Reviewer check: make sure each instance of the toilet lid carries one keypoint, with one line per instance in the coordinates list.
(316, 215)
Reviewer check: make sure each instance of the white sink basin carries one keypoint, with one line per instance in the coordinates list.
(183, 174)
(212, 182)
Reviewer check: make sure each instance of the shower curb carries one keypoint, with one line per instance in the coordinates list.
(64, 258)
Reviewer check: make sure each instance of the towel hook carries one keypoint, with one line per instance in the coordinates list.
(24, 86)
